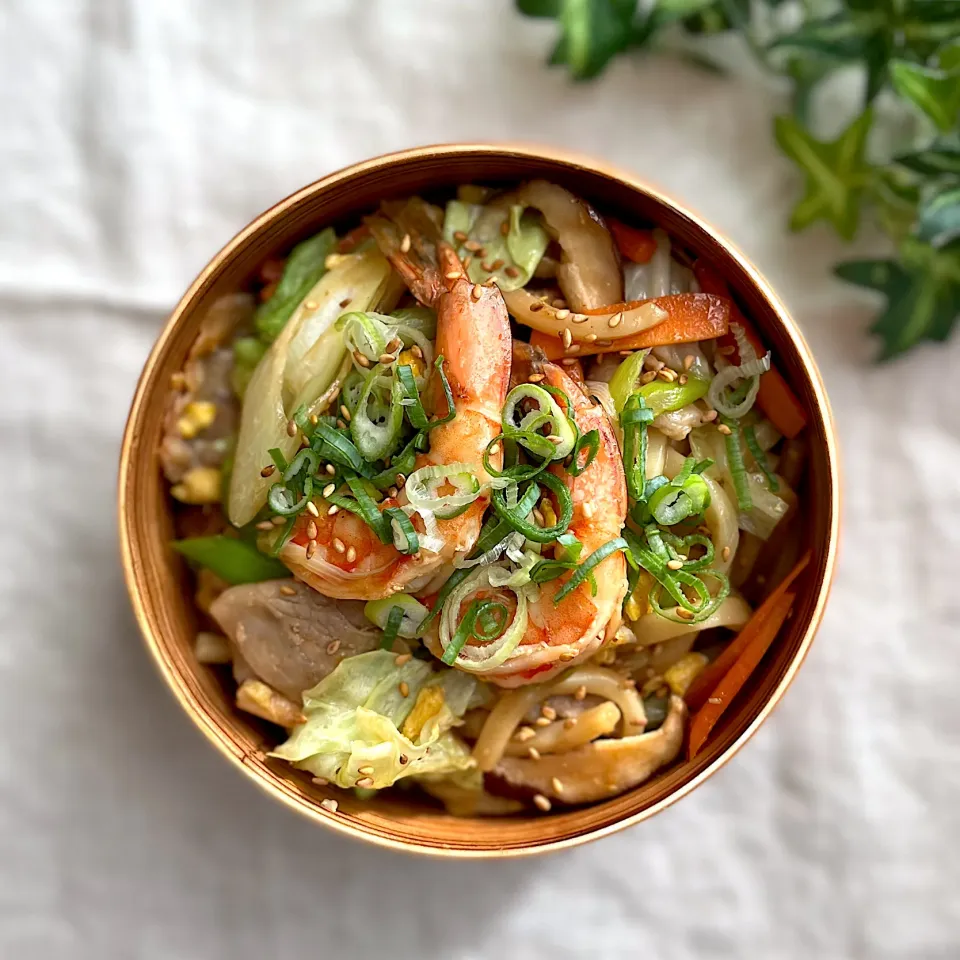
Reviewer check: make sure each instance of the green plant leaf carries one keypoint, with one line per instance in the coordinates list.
(922, 292)
(895, 197)
(539, 8)
(939, 217)
(940, 158)
(936, 92)
(592, 33)
(836, 172)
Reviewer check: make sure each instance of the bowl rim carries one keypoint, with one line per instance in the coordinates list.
(523, 151)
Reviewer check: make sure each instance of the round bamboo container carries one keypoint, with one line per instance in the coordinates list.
(158, 581)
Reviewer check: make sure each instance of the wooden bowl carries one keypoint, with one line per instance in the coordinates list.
(158, 581)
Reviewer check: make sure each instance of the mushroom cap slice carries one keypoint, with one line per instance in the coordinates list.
(602, 769)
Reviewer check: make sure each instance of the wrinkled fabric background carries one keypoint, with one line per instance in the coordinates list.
(136, 138)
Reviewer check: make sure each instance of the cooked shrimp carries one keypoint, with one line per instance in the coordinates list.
(473, 337)
(559, 635)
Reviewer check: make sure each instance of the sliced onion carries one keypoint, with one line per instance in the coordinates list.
(490, 655)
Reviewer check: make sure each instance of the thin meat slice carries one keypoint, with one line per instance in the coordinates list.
(289, 635)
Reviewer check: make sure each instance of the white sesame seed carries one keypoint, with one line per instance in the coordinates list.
(557, 785)
(310, 305)
(579, 317)
(405, 243)
(588, 510)
(320, 781)
(338, 545)
(329, 488)
(542, 722)
(615, 320)
(674, 564)
(351, 554)
(567, 337)
(533, 753)
(403, 658)
(287, 591)
(563, 314)
(724, 429)
(524, 733)
(333, 509)
(312, 509)
(725, 554)
(265, 525)
(453, 275)
(365, 783)
(404, 688)
(541, 802)
(329, 805)
(291, 428)
(311, 549)
(580, 693)
(365, 770)
(548, 712)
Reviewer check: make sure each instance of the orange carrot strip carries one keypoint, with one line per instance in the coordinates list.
(704, 720)
(700, 689)
(775, 398)
(691, 317)
(636, 245)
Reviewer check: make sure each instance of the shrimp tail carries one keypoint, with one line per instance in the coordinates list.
(410, 235)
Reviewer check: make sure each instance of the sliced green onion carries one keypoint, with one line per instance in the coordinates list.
(367, 508)
(525, 428)
(422, 486)
(376, 423)
(569, 546)
(403, 462)
(515, 472)
(708, 604)
(753, 445)
(517, 516)
(279, 460)
(351, 389)
(447, 395)
(330, 444)
(686, 495)
(626, 379)
(405, 537)
(664, 397)
(412, 405)
(590, 442)
(585, 568)
(634, 420)
(494, 531)
(412, 613)
(738, 470)
(284, 502)
(364, 333)
(545, 570)
(492, 618)
(454, 631)
(391, 628)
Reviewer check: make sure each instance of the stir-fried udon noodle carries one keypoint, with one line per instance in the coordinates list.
(495, 499)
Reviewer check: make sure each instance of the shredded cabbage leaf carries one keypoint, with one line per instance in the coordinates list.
(358, 717)
(519, 251)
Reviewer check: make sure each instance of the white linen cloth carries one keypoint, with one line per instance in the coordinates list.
(136, 138)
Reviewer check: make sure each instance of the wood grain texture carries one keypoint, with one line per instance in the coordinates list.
(157, 580)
